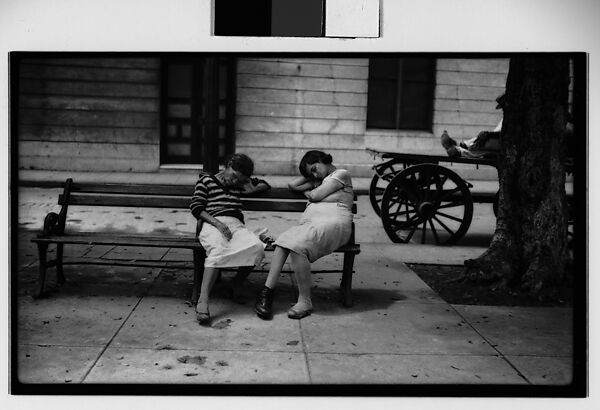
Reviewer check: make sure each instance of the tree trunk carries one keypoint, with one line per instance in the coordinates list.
(529, 246)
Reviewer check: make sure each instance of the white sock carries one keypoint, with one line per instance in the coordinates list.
(304, 303)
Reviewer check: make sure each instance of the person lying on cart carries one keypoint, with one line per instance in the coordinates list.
(485, 145)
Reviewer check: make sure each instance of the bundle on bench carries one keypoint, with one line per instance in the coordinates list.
(157, 196)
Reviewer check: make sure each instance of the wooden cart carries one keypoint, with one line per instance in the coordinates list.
(415, 196)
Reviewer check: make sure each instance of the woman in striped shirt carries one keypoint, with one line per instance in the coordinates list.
(225, 238)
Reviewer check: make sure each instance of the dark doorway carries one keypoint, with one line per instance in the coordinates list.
(198, 110)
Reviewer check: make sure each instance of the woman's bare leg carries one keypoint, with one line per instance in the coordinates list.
(279, 257)
(208, 280)
(302, 273)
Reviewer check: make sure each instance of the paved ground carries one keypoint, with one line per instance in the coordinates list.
(134, 325)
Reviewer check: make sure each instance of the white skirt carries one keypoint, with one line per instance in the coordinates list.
(244, 248)
(323, 227)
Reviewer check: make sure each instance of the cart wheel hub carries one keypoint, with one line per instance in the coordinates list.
(426, 209)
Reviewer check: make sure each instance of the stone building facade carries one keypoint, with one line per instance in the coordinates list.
(151, 113)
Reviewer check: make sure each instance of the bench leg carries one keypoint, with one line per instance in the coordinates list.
(242, 274)
(346, 285)
(198, 273)
(59, 264)
(42, 249)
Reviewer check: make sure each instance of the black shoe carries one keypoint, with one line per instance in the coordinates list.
(264, 304)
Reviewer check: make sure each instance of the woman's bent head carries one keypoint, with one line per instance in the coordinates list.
(238, 170)
(315, 165)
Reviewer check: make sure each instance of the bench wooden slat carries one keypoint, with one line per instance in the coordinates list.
(172, 190)
(102, 238)
(86, 238)
(134, 189)
(132, 237)
(165, 265)
(257, 204)
(130, 262)
(249, 204)
(283, 206)
(167, 190)
(281, 193)
(126, 201)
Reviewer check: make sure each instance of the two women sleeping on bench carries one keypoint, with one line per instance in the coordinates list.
(325, 225)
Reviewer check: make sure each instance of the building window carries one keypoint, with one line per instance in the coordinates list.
(197, 107)
(401, 93)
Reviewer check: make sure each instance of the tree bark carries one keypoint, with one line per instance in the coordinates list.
(529, 246)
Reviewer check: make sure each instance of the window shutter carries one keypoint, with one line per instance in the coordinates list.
(400, 94)
(417, 93)
(382, 94)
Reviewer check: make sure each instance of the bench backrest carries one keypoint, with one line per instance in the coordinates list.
(172, 196)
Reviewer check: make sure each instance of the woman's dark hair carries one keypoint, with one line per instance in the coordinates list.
(241, 163)
(312, 157)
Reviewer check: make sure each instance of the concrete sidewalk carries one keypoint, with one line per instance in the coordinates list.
(113, 324)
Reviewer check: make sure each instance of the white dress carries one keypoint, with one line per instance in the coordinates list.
(244, 248)
(323, 227)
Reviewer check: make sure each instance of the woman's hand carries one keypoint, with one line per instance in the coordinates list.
(224, 229)
(255, 185)
(221, 227)
(307, 195)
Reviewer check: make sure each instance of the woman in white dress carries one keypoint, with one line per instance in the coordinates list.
(325, 225)
(224, 237)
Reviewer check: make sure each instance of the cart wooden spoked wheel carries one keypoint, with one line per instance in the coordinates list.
(426, 203)
(384, 173)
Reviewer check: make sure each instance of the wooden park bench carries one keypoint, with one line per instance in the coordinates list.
(158, 196)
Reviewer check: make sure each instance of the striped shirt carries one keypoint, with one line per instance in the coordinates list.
(211, 196)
